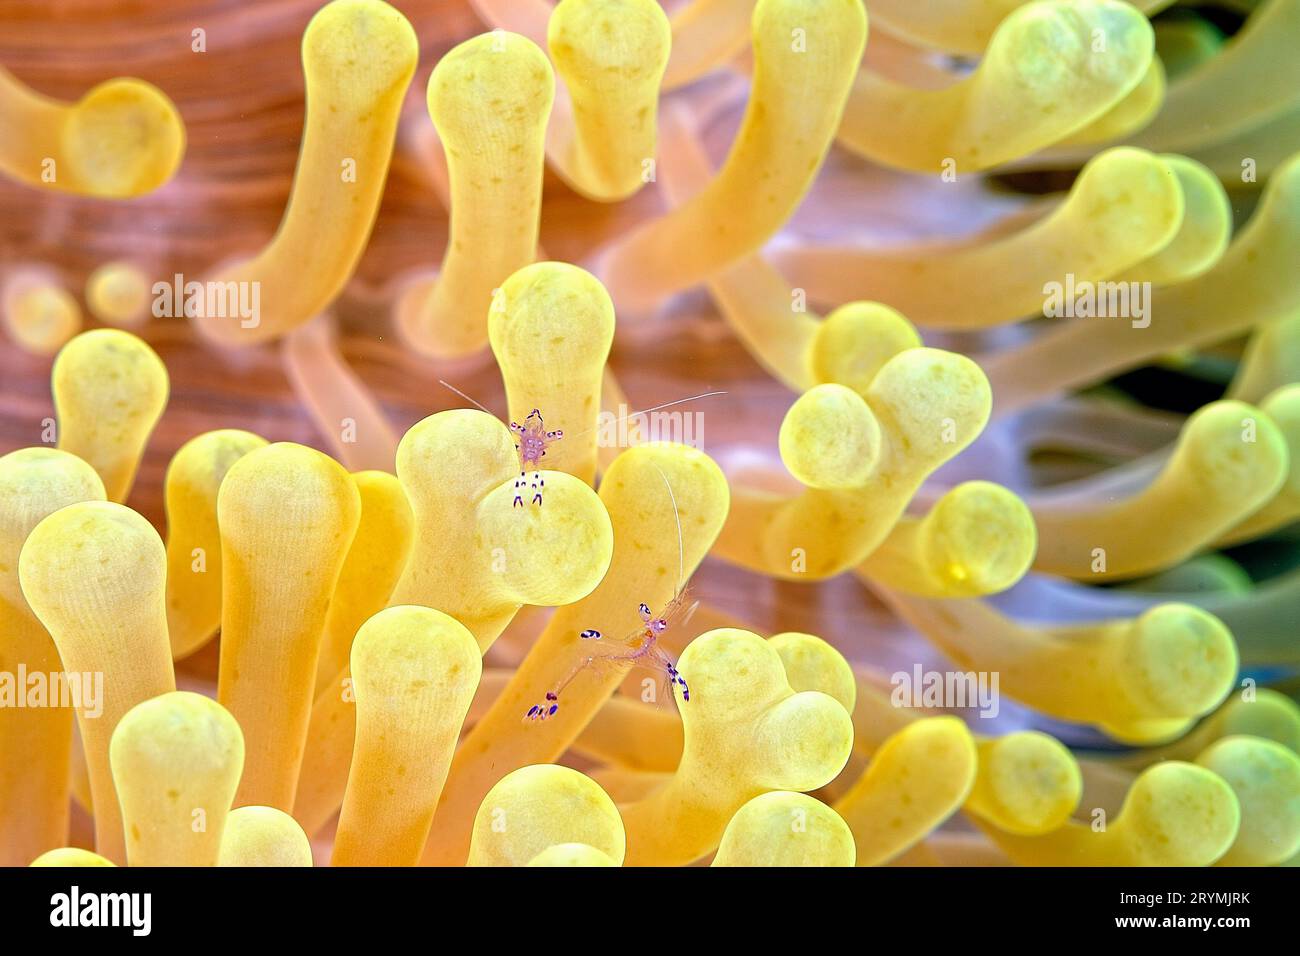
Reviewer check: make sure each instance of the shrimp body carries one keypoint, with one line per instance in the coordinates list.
(640, 648)
(532, 441)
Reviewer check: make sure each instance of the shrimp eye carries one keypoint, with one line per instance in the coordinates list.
(590, 635)
(659, 626)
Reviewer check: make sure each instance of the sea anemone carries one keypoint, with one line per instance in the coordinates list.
(992, 313)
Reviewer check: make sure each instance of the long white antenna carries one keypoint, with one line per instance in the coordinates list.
(462, 395)
(681, 548)
(653, 408)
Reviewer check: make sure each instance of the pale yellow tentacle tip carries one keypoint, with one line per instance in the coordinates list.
(1174, 814)
(939, 400)
(1028, 783)
(110, 389)
(33, 480)
(414, 673)
(94, 573)
(796, 740)
(67, 542)
(854, 342)
(176, 762)
(459, 447)
(68, 856)
(510, 67)
(118, 293)
(358, 58)
(1050, 69)
(190, 488)
(917, 778)
(1048, 47)
(830, 438)
(551, 308)
(979, 539)
(813, 664)
(40, 315)
(803, 742)
(478, 554)
(1136, 110)
(344, 33)
(1177, 659)
(1138, 191)
(611, 55)
(806, 53)
(1204, 233)
(1231, 448)
(265, 479)
(263, 836)
(534, 808)
(123, 138)
(1265, 776)
(1179, 814)
(554, 554)
(1267, 714)
(551, 326)
(786, 829)
(287, 515)
(394, 650)
(745, 731)
(576, 28)
(572, 854)
(1282, 407)
(489, 99)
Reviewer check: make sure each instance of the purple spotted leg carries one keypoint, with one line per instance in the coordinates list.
(675, 677)
(543, 710)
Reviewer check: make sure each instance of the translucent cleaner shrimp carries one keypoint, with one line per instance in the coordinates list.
(640, 648)
(532, 439)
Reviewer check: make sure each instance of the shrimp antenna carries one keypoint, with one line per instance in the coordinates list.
(652, 408)
(677, 516)
(463, 395)
(680, 401)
